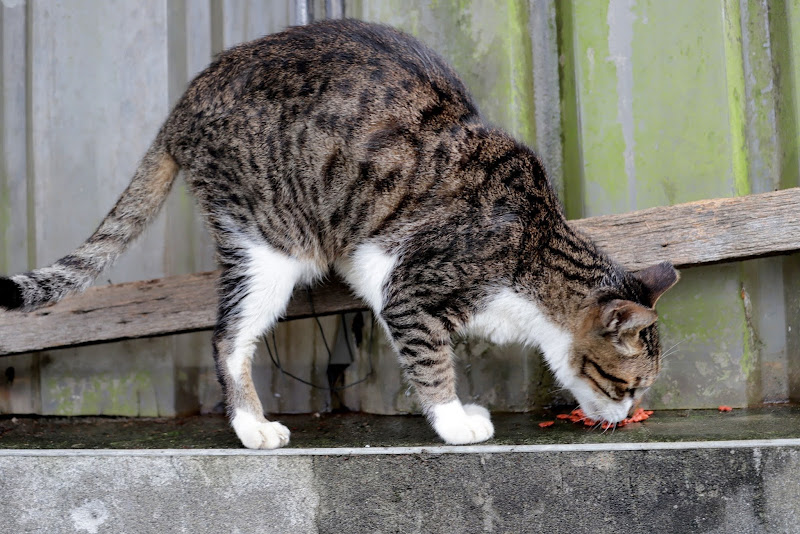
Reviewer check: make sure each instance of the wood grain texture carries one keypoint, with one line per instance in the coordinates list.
(702, 232)
(171, 305)
(696, 233)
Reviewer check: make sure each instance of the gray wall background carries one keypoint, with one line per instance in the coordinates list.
(86, 84)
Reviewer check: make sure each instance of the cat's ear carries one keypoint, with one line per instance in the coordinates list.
(620, 318)
(657, 279)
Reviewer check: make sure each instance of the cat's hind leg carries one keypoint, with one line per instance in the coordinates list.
(255, 288)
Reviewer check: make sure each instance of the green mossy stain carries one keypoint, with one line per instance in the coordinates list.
(734, 70)
(572, 165)
(681, 104)
(785, 43)
(602, 144)
(703, 327)
(100, 394)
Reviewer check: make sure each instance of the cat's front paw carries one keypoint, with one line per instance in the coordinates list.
(458, 425)
(259, 434)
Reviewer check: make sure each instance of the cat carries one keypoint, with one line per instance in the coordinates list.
(351, 147)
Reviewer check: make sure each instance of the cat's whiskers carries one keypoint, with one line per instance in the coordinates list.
(673, 350)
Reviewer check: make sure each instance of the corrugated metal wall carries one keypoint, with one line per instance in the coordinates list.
(631, 103)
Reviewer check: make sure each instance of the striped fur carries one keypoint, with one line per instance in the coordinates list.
(353, 145)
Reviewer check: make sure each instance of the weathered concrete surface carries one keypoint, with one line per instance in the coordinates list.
(744, 489)
(682, 471)
(355, 430)
(161, 494)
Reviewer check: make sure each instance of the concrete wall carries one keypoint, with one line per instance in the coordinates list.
(748, 489)
(632, 104)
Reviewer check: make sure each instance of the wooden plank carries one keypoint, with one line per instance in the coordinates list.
(696, 233)
(702, 232)
(171, 305)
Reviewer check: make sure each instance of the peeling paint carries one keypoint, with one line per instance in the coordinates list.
(749, 362)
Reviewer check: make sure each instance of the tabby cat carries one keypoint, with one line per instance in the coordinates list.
(351, 146)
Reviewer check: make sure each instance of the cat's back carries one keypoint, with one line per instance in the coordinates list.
(324, 135)
(361, 66)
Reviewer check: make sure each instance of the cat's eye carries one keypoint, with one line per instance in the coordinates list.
(622, 392)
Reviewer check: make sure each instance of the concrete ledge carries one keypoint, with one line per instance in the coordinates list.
(660, 475)
(400, 451)
(730, 486)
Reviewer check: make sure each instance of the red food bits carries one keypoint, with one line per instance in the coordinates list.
(638, 416)
(725, 408)
(578, 416)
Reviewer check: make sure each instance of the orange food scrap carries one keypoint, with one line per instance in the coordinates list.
(725, 408)
(578, 416)
(638, 416)
(546, 424)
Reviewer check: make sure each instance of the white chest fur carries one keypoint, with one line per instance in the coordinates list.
(367, 271)
(511, 318)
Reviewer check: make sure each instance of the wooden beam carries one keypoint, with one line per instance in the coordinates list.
(702, 232)
(697, 233)
(171, 305)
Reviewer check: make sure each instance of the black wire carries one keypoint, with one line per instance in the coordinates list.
(276, 361)
(347, 340)
(321, 331)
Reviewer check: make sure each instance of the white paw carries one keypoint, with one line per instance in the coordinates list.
(457, 424)
(259, 434)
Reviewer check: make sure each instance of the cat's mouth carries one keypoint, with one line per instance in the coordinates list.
(612, 413)
(599, 408)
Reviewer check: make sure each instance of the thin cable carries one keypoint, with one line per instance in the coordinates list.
(277, 362)
(319, 325)
(350, 349)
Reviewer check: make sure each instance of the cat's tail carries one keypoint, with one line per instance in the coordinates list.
(137, 206)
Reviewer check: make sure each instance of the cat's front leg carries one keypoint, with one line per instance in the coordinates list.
(426, 356)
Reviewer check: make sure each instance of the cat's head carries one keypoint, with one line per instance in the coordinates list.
(615, 354)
